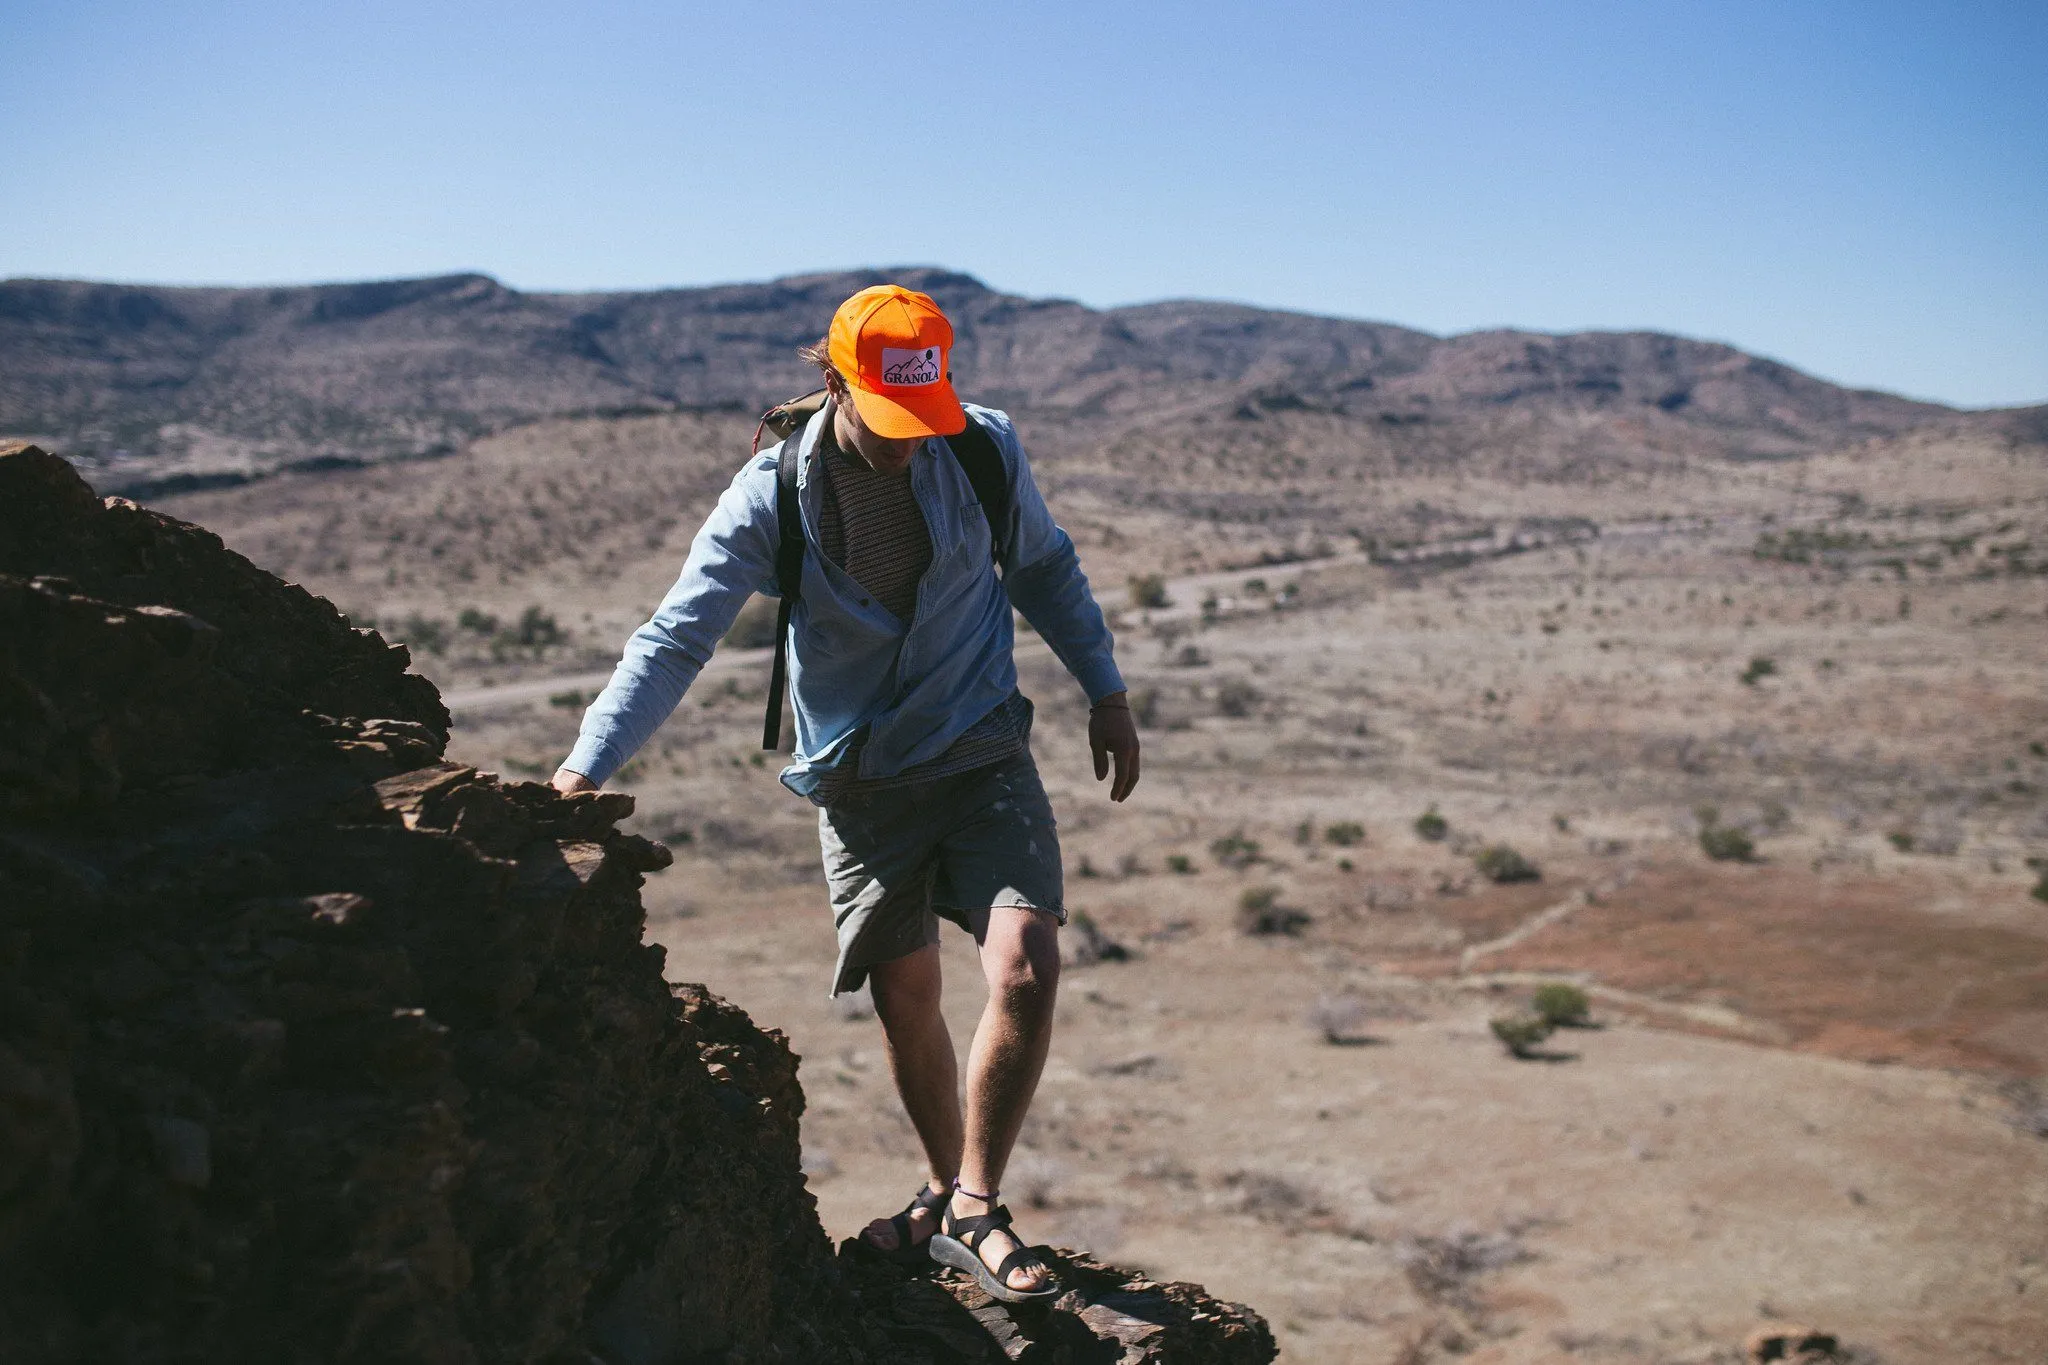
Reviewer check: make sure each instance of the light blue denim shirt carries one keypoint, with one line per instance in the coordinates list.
(916, 687)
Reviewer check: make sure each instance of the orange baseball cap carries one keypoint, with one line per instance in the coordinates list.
(893, 346)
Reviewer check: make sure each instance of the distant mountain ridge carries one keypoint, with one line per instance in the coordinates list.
(143, 384)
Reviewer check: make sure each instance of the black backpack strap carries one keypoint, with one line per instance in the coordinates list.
(789, 578)
(976, 451)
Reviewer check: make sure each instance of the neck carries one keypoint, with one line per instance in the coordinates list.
(843, 434)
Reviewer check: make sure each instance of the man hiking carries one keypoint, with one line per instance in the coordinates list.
(921, 527)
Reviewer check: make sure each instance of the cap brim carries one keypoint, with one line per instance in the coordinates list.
(934, 410)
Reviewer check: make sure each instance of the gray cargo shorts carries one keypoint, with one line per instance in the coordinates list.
(958, 846)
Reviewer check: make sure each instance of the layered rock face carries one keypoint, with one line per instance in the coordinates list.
(316, 1047)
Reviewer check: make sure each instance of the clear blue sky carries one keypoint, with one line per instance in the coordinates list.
(1858, 187)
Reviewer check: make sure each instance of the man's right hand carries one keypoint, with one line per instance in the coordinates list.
(569, 782)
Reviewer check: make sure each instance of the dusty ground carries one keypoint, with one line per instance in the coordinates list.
(1818, 1093)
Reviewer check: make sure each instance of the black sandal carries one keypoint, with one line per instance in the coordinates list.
(907, 1252)
(958, 1241)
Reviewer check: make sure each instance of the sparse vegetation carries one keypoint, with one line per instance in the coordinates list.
(536, 630)
(1235, 851)
(2040, 866)
(1085, 943)
(1723, 843)
(1148, 592)
(1345, 834)
(1900, 839)
(570, 699)
(1520, 1034)
(1432, 826)
(1801, 546)
(1759, 668)
(1501, 863)
(1180, 865)
(429, 633)
(1561, 1005)
(1259, 912)
(1442, 1269)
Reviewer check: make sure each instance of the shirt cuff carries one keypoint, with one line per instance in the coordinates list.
(1099, 678)
(595, 759)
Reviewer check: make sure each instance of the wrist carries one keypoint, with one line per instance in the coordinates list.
(1118, 700)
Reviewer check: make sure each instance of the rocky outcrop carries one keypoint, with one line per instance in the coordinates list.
(314, 1046)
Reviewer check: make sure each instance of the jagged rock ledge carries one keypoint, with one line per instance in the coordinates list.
(314, 1046)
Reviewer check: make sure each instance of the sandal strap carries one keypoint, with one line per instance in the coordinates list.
(974, 1229)
(1022, 1256)
(926, 1198)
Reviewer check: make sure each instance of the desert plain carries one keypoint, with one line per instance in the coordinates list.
(1813, 1088)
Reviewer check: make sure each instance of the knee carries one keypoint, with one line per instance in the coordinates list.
(1027, 975)
(905, 992)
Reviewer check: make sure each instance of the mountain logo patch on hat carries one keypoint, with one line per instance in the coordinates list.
(890, 346)
(912, 367)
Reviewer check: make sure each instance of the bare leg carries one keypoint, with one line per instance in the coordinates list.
(906, 994)
(1020, 958)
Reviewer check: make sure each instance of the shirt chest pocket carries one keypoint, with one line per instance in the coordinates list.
(976, 542)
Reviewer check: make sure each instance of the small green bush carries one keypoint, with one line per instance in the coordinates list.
(1180, 864)
(1432, 826)
(1235, 851)
(1759, 667)
(1345, 833)
(1500, 863)
(1259, 912)
(425, 632)
(2040, 891)
(1148, 591)
(565, 699)
(1726, 844)
(1520, 1033)
(1561, 1005)
(1900, 839)
(477, 621)
(536, 629)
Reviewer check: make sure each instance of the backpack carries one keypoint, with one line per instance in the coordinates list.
(974, 448)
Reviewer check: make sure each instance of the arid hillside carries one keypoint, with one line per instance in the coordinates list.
(153, 387)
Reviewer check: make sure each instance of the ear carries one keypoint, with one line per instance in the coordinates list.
(835, 384)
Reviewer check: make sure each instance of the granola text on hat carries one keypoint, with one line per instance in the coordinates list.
(892, 345)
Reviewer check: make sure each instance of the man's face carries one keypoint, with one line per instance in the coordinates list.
(881, 453)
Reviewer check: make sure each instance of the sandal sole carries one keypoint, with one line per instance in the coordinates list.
(954, 1252)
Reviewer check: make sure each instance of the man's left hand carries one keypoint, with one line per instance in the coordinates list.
(1112, 734)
